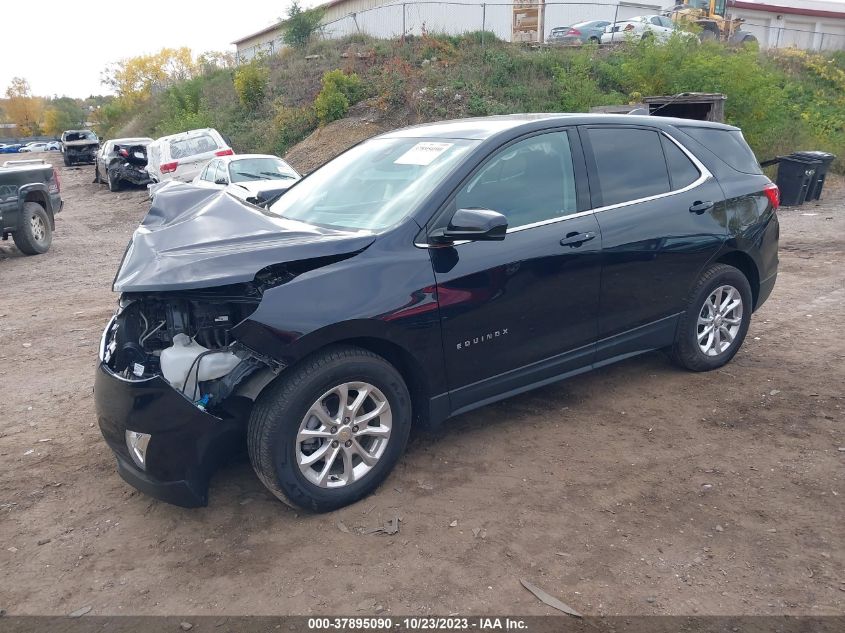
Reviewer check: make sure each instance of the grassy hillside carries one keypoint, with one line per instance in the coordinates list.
(783, 100)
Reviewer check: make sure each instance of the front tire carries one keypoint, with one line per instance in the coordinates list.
(330, 430)
(34, 234)
(716, 320)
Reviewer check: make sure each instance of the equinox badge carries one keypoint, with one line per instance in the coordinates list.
(483, 338)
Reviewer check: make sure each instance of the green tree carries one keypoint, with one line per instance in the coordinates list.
(338, 93)
(62, 114)
(301, 24)
(251, 84)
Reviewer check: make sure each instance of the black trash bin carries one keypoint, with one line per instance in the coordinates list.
(795, 176)
(825, 159)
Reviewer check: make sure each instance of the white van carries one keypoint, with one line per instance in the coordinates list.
(183, 156)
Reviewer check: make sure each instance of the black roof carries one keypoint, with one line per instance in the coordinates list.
(482, 128)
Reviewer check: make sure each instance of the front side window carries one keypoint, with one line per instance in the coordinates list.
(629, 164)
(529, 181)
(208, 172)
(375, 184)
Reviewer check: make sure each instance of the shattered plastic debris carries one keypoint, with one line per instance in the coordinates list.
(549, 599)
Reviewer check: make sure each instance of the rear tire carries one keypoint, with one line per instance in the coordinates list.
(97, 179)
(67, 161)
(114, 185)
(313, 473)
(34, 234)
(716, 320)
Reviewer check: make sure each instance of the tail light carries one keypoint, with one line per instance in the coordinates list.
(57, 183)
(773, 194)
(225, 152)
(573, 32)
(628, 27)
(166, 168)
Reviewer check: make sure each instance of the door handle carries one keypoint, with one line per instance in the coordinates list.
(700, 207)
(576, 239)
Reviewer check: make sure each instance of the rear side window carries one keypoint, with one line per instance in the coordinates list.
(193, 145)
(630, 164)
(729, 145)
(682, 172)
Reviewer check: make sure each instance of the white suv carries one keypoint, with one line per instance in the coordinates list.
(182, 156)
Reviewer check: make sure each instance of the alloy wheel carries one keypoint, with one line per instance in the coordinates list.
(39, 229)
(719, 320)
(343, 435)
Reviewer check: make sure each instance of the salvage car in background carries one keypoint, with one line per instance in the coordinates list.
(79, 146)
(182, 156)
(122, 160)
(34, 147)
(421, 274)
(643, 27)
(577, 34)
(256, 178)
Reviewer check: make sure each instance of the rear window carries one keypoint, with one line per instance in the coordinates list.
(191, 146)
(630, 164)
(729, 145)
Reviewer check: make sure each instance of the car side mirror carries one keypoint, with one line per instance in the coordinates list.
(474, 225)
(221, 181)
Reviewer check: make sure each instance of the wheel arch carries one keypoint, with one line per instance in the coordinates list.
(408, 367)
(746, 265)
(38, 194)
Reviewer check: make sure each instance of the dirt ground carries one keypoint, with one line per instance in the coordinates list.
(637, 489)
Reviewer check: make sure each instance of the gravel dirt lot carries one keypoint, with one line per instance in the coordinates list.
(637, 489)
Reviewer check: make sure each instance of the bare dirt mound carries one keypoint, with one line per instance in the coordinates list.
(364, 121)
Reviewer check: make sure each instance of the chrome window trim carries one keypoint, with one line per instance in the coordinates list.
(704, 176)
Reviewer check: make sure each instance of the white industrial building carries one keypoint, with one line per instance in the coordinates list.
(811, 24)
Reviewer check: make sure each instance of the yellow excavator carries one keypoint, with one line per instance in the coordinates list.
(711, 17)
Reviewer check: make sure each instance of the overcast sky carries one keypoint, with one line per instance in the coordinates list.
(61, 46)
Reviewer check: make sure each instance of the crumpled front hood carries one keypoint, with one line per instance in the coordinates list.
(194, 237)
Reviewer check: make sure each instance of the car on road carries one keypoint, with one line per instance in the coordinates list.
(643, 27)
(183, 156)
(122, 160)
(34, 147)
(30, 198)
(421, 274)
(10, 148)
(54, 146)
(256, 178)
(577, 34)
(79, 146)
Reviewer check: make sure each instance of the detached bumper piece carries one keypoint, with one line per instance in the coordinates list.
(186, 444)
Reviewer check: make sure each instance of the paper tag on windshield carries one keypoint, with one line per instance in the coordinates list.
(422, 153)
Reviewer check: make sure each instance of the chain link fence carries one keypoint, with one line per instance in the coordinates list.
(528, 21)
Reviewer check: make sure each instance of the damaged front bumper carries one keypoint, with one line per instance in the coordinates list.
(186, 444)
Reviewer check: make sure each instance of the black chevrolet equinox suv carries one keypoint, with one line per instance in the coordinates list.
(421, 274)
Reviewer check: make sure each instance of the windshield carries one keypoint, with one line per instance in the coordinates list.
(87, 135)
(260, 169)
(374, 185)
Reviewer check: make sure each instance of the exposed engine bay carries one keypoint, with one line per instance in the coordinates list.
(186, 337)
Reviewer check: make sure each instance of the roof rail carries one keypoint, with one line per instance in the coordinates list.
(29, 161)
